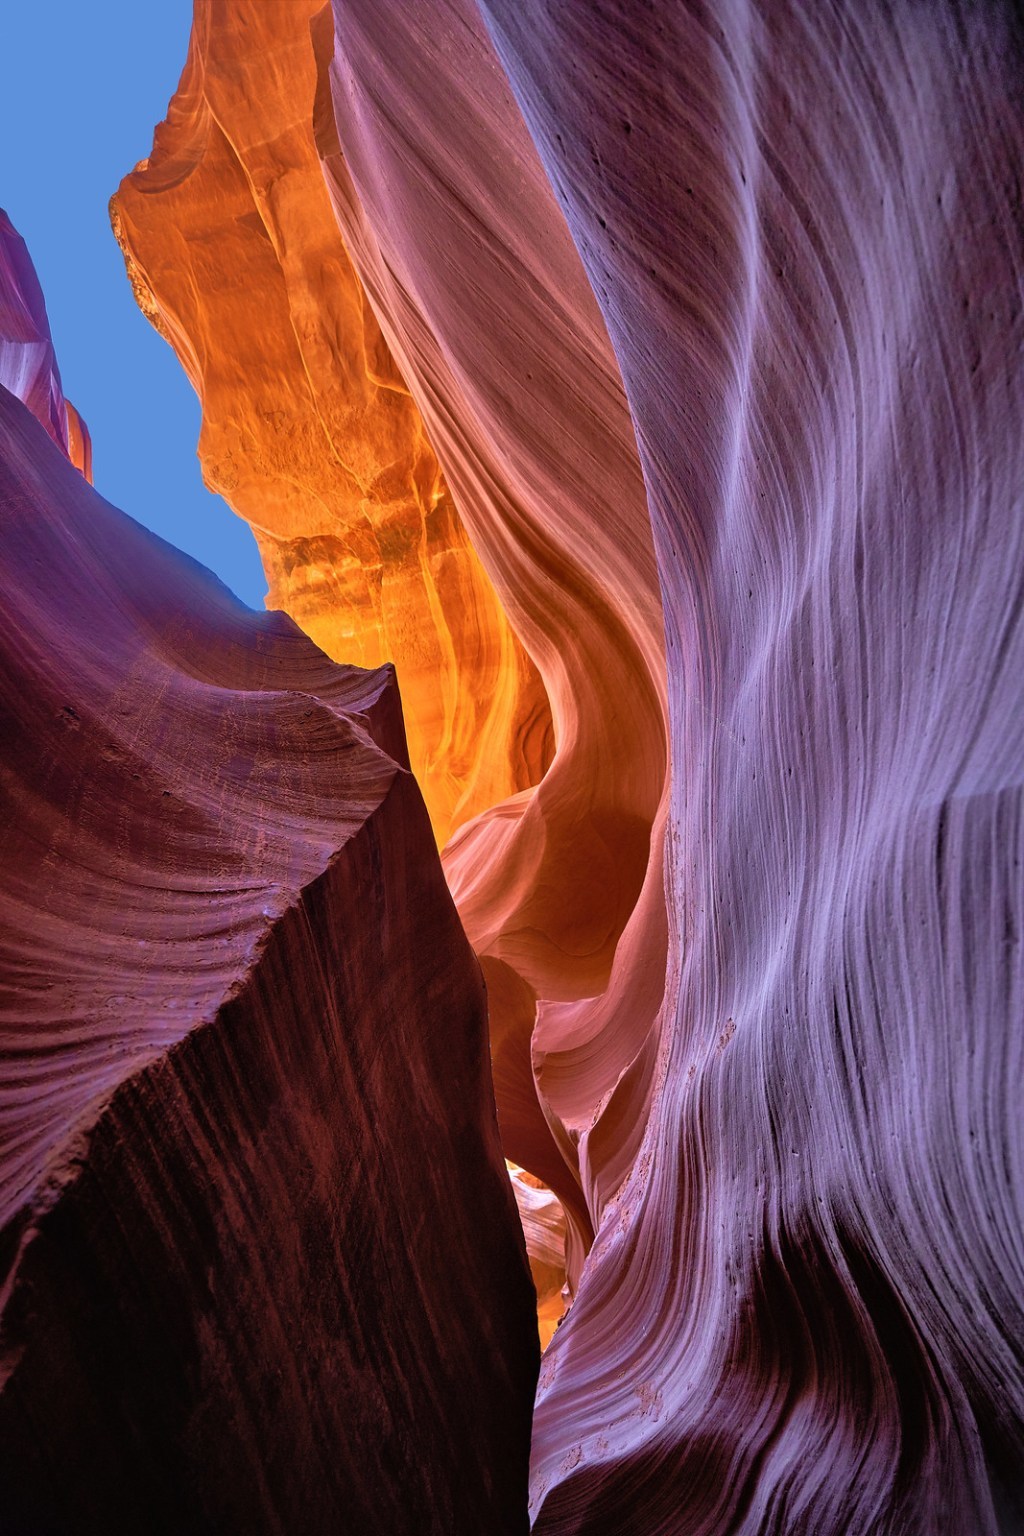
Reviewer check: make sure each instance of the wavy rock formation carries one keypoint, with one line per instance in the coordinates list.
(308, 430)
(262, 1269)
(28, 364)
(561, 892)
(813, 295)
(514, 380)
(713, 320)
(804, 227)
(543, 1220)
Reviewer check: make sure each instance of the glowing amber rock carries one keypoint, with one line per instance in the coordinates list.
(463, 248)
(308, 430)
(543, 1217)
(79, 442)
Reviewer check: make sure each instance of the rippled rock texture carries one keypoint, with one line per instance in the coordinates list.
(478, 301)
(711, 318)
(801, 233)
(561, 892)
(804, 228)
(262, 1269)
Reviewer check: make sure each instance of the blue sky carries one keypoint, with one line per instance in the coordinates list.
(84, 86)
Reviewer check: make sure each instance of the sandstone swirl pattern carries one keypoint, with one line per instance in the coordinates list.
(805, 229)
(561, 892)
(802, 226)
(493, 328)
(705, 327)
(262, 1269)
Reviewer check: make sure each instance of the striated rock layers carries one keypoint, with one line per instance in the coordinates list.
(561, 891)
(308, 429)
(805, 229)
(754, 276)
(262, 1270)
(712, 317)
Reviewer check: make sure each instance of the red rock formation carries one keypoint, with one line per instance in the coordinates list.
(543, 1220)
(548, 883)
(719, 310)
(803, 233)
(261, 1265)
(79, 442)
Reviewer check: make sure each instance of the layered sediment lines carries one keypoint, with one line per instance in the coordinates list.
(262, 1268)
(308, 429)
(804, 228)
(543, 1221)
(465, 255)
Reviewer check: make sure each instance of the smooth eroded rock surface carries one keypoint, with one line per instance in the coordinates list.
(804, 227)
(425, 252)
(262, 1269)
(712, 320)
(464, 252)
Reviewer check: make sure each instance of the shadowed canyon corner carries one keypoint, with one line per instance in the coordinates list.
(528, 1031)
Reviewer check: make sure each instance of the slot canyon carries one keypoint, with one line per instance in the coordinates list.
(528, 1031)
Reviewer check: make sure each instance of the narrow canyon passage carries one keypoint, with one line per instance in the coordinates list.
(603, 863)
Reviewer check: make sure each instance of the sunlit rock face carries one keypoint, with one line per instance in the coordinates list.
(543, 1219)
(803, 232)
(28, 365)
(308, 429)
(262, 1269)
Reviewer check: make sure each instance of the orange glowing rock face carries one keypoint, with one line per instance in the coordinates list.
(308, 430)
(463, 249)
(79, 442)
(715, 335)
(543, 1217)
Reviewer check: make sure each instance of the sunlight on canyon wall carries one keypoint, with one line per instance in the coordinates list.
(308, 429)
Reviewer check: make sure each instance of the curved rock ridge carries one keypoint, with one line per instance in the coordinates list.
(308, 429)
(466, 258)
(516, 388)
(805, 229)
(262, 1269)
(28, 364)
